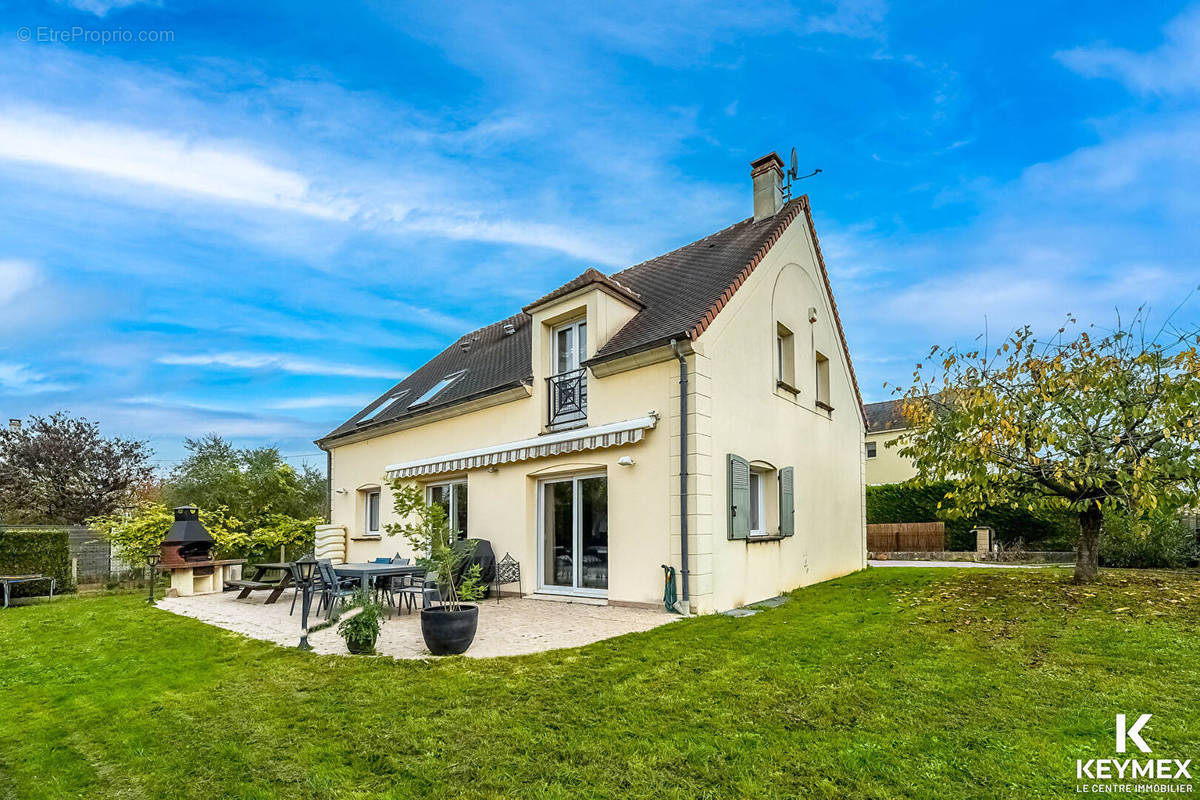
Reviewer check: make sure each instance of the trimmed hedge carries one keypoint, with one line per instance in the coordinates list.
(25, 551)
(1158, 540)
(912, 502)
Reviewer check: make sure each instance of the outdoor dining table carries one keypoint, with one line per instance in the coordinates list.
(365, 571)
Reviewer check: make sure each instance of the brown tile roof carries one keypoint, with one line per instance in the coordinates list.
(679, 295)
(589, 277)
(885, 416)
(492, 361)
(685, 289)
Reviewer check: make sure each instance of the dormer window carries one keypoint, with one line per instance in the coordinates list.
(568, 383)
(437, 388)
(377, 410)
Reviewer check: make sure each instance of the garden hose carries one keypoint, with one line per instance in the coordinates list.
(670, 598)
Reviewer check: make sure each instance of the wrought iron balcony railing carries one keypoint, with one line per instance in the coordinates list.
(567, 398)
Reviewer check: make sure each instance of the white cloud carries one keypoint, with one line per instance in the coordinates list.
(323, 401)
(16, 278)
(20, 379)
(227, 172)
(282, 363)
(1172, 67)
(518, 232)
(101, 7)
(162, 419)
(212, 169)
(854, 18)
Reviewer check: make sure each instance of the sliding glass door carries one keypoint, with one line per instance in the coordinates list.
(452, 497)
(573, 536)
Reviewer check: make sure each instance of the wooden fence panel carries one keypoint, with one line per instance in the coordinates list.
(906, 537)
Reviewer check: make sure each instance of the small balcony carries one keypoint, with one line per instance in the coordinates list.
(567, 393)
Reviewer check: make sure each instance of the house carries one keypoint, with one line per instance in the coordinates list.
(556, 434)
(885, 423)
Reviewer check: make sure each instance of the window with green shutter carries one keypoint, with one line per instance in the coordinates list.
(739, 497)
(787, 502)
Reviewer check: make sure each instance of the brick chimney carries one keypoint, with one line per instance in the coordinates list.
(767, 174)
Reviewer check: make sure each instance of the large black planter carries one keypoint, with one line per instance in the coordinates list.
(448, 633)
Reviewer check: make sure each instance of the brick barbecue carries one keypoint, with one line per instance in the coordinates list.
(187, 552)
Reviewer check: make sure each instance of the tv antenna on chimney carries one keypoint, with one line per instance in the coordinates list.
(793, 174)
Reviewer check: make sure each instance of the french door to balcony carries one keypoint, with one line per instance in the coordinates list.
(573, 536)
(568, 385)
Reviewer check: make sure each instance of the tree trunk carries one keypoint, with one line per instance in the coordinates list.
(1087, 552)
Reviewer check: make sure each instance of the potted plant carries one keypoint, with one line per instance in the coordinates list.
(360, 628)
(448, 628)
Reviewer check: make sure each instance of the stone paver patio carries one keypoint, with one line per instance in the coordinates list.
(515, 626)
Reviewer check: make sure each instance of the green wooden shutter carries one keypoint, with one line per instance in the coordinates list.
(739, 497)
(787, 502)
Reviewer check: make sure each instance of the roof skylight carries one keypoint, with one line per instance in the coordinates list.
(437, 388)
(374, 412)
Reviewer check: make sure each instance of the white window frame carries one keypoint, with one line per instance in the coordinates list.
(450, 486)
(872, 450)
(576, 534)
(379, 409)
(758, 494)
(822, 369)
(785, 356)
(437, 389)
(369, 496)
(579, 332)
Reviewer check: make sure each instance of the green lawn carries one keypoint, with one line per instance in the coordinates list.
(888, 683)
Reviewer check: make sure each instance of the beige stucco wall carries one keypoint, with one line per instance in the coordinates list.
(888, 466)
(735, 407)
(753, 418)
(502, 505)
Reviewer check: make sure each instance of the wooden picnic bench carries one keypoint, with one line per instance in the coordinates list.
(258, 584)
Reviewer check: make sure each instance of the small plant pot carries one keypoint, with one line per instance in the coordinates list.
(449, 633)
(361, 647)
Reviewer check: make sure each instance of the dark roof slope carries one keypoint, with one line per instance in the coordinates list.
(683, 289)
(589, 277)
(490, 360)
(885, 416)
(679, 294)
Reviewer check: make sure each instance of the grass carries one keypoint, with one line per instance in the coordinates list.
(915, 683)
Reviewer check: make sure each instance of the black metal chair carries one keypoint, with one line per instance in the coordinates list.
(390, 586)
(430, 593)
(333, 589)
(413, 587)
(508, 570)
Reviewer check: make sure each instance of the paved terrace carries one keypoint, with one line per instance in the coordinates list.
(515, 626)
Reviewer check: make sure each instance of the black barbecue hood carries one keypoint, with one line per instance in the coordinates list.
(187, 527)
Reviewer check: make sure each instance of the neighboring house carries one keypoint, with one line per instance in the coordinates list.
(555, 434)
(885, 423)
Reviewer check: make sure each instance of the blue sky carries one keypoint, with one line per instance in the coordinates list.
(258, 225)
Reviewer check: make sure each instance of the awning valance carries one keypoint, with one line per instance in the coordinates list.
(552, 444)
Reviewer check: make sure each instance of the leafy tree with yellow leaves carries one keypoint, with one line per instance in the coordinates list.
(1082, 421)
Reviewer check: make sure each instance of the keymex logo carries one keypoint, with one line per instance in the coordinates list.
(1132, 770)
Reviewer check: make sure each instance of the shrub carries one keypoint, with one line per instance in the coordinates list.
(916, 502)
(1159, 539)
(362, 629)
(28, 551)
(138, 534)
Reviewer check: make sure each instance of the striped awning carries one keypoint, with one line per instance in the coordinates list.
(552, 444)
